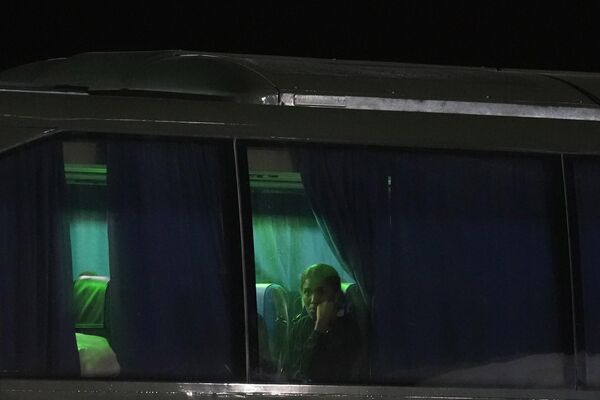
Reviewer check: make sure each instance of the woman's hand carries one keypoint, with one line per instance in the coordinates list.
(326, 315)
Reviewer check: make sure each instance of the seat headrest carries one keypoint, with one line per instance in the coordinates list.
(89, 295)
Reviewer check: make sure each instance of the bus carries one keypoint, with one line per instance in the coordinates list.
(163, 214)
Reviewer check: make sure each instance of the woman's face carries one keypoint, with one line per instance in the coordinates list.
(315, 290)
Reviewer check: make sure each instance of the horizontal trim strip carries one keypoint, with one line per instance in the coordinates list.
(48, 389)
(44, 91)
(443, 107)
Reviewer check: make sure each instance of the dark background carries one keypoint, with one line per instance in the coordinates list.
(538, 35)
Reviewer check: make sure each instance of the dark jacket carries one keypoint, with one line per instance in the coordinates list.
(316, 357)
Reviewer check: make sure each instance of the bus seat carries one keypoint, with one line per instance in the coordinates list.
(358, 306)
(360, 311)
(96, 358)
(89, 295)
(107, 323)
(272, 307)
(295, 304)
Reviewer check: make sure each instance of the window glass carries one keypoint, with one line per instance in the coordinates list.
(586, 234)
(37, 332)
(85, 175)
(479, 257)
(456, 267)
(286, 236)
(144, 229)
(88, 227)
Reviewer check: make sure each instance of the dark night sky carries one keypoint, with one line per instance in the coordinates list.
(494, 34)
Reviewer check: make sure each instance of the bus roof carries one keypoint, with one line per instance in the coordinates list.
(248, 97)
(300, 81)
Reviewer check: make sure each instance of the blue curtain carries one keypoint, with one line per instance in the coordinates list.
(348, 193)
(476, 270)
(172, 313)
(462, 256)
(586, 183)
(37, 331)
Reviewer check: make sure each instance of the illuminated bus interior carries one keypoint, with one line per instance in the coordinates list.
(286, 237)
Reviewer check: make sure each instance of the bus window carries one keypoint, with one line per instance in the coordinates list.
(287, 239)
(85, 173)
(37, 333)
(585, 231)
(456, 265)
(144, 228)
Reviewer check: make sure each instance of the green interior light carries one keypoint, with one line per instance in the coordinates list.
(85, 174)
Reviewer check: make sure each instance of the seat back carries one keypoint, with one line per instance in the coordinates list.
(89, 295)
(360, 310)
(272, 307)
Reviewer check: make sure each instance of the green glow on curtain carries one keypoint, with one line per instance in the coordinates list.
(287, 239)
(88, 228)
(89, 244)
